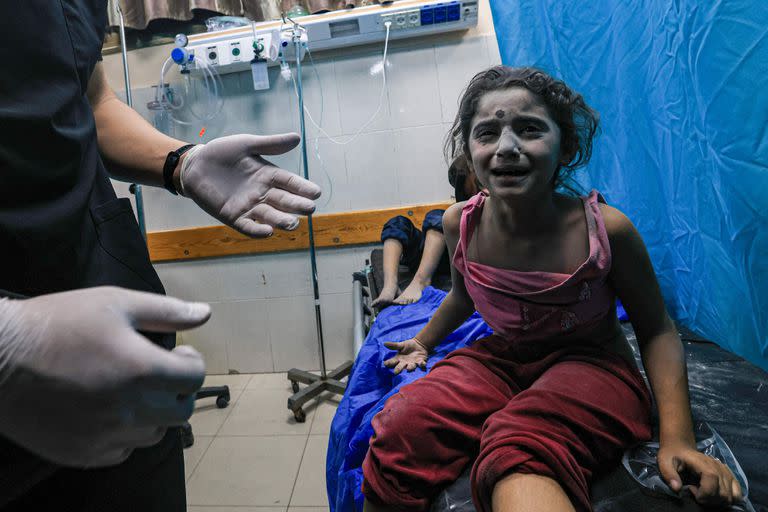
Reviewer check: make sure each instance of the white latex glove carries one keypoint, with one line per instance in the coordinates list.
(80, 387)
(229, 179)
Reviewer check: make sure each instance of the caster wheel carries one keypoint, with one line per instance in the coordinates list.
(187, 437)
(222, 402)
(300, 416)
(295, 386)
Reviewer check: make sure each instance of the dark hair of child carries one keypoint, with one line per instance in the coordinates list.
(577, 121)
(457, 168)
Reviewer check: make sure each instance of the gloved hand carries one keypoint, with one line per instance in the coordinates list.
(80, 387)
(410, 355)
(229, 179)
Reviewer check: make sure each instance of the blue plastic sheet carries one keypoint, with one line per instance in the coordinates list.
(681, 88)
(371, 384)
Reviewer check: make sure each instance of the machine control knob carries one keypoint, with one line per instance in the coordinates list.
(179, 55)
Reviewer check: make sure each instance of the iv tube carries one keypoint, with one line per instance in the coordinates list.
(211, 83)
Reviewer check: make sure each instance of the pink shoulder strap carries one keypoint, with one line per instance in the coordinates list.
(469, 217)
(597, 226)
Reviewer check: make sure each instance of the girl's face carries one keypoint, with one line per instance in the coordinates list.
(514, 144)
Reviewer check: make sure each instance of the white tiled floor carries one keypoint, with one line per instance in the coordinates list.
(252, 456)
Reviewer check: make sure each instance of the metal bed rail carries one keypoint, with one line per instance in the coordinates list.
(363, 290)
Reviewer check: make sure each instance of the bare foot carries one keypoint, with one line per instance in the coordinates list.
(412, 293)
(386, 297)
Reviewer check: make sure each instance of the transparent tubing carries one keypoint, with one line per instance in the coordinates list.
(211, 83)
(328, 194)
(312, 255)
(384, 90)
(135, 187)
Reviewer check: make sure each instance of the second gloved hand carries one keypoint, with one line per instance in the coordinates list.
(79, 386)
(229, 179)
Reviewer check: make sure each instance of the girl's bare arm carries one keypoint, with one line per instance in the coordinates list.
(457, 305)
(635, 282)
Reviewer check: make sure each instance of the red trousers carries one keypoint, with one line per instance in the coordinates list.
(557, 413)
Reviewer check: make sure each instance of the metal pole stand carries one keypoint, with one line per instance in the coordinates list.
(135, 188)
(325, 381)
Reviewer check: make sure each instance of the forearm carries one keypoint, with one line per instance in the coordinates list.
(664, 361)
(449, 316)
(132, 149)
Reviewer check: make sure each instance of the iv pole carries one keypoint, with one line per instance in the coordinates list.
(325, 381)
(135, 188)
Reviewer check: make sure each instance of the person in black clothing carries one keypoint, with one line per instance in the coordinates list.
(92, 389)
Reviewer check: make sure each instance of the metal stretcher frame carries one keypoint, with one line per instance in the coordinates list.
(364, 289)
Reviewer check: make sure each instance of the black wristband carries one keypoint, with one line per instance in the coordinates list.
(171, 161)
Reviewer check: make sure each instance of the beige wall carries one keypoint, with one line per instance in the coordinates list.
(263, 317)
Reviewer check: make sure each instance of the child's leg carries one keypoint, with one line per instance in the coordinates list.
(428, 433)
(402, 244)
(393, 251)
(576, 417)
(434, 248)
(530, 493)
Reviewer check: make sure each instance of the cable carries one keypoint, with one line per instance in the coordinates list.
(387, 24)
(211, 83)
(329, 195)
(322, 105)
(316, 145)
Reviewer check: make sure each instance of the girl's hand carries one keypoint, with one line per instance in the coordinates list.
(716, 484)
(410, 355)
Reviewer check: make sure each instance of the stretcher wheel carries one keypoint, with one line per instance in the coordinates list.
(187, 437)
(222, 402)
(295, 386)
(300, 416)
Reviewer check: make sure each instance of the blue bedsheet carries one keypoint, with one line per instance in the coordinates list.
(371, 384)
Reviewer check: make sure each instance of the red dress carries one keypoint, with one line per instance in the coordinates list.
(532, 398)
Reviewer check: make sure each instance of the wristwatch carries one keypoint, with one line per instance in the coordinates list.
(171, 161)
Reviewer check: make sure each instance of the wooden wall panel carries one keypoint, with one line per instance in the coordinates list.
(330, 230)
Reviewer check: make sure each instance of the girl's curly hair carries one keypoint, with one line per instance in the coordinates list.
(578, 122)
